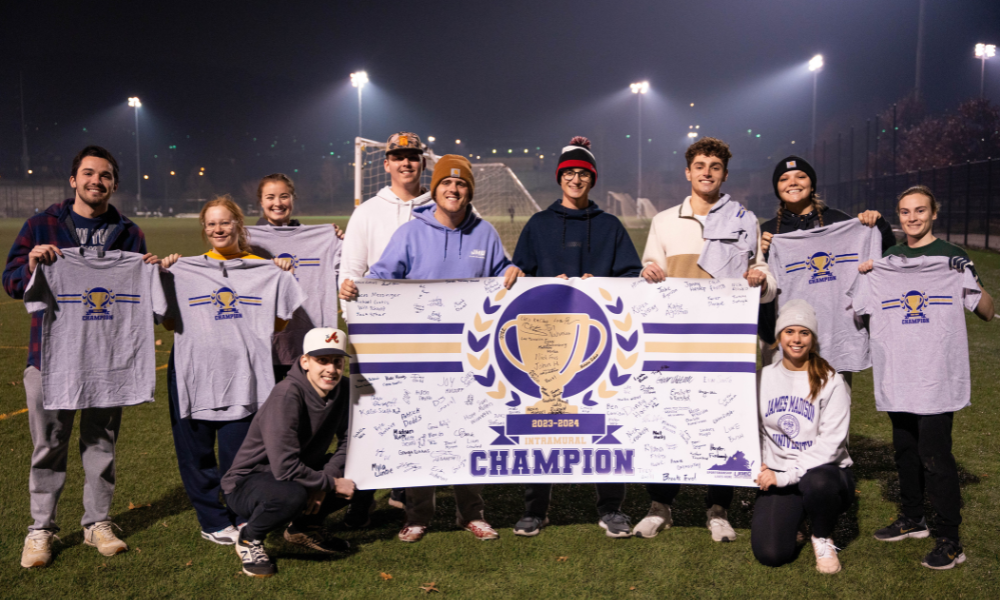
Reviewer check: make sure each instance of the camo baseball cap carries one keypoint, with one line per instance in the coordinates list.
(404, 140)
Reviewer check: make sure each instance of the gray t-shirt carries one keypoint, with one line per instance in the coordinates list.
(97, 331)
(315, 254)
(920, 348)
(819, 266)
(224, 314)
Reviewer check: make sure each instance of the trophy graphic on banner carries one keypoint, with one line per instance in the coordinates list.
(552, 349)
(99, 300)
(914, 301)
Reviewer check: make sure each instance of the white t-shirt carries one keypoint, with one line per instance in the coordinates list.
(315, 254)
(97, 331)
(224, 314)
(820, 266)
(796, 434)
(920, 347)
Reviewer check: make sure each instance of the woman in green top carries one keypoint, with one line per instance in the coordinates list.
(922, 443)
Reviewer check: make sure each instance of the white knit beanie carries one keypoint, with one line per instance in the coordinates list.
(796, 312)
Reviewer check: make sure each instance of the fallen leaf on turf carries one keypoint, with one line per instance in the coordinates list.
(138, 550)
(135, 506)
(189, 563)
(562, 559)
(430, 587)
(164, 524)
(385, 576)
(104, 565)
(632, 589)
(159, 342)
(15, 383)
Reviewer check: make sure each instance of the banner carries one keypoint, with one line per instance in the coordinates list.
(553, 381)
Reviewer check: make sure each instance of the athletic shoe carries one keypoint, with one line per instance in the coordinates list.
(313, 537)
(412, 533)
(397, 498)
(37, 549)
(256, 562)
(656, 520)
(357, 517)
(718, 524)
(530, 525)
(616, 525)
(223, 537)
(946, 554)
(481, 529)
(902, 528)
(103, 538)
(827, 561)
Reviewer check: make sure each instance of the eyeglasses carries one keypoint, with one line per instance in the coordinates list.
(227, 225)
(585, 176)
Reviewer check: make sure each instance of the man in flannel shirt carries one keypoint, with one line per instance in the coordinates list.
(87, 220)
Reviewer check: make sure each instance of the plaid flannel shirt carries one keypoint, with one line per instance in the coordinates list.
(55, 226)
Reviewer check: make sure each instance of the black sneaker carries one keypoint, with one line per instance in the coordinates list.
(616, 525)
(357, 517)
(903, 528)
(530, 525)
(947, 554)
(256, 562)
(313, 537)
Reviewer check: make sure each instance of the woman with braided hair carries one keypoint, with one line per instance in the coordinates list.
(800, 208)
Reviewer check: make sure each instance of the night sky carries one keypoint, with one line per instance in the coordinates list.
(213, 76)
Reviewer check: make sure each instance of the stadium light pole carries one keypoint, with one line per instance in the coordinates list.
(984, 51)
(639, 89)
(815, 65)
(358, 80)
(135, 104)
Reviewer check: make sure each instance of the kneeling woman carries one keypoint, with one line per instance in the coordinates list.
(805, 413)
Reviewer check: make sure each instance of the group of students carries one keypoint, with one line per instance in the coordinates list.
(273, 427)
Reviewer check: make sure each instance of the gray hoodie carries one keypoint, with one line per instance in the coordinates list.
(291, 434)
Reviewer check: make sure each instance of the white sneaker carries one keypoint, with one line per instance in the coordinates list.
(656, 520)
(827, 561)
(103, 538)
(37, 549)
(718, 524)
(223, 537)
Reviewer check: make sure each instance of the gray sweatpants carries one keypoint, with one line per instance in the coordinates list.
(50, 433)
(420, 503)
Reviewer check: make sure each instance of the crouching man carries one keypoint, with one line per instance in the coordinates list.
(283, 476)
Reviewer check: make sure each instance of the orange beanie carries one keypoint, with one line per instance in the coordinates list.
(453, 165)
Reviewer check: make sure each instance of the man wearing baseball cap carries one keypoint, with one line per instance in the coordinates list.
(283, 476)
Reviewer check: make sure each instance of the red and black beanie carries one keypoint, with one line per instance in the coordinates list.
(577, 156)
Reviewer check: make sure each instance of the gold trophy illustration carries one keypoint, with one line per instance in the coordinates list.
(98, 299)
(227, 299)
(552, 349)
(914, 301)
(821, 263)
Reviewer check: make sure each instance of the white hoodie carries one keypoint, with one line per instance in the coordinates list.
(796, 434)
(370, 228)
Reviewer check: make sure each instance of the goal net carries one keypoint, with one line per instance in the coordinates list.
(500, 196)
(634, 214)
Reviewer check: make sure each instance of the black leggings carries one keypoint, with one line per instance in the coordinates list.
(823, 493)
(664, 493)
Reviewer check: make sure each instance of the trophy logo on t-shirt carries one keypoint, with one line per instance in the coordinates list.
(915, 303)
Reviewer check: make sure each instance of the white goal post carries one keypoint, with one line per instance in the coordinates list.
(500, 196)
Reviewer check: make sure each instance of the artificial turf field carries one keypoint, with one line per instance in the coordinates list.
(570, 559)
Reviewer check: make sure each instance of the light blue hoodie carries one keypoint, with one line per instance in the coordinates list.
(425, 249)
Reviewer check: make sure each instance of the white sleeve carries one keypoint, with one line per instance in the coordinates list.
(834, 424)
(354, 253)
(654, 252)
(859, 294)
(158, 299)
(971, 293)
(290, 296)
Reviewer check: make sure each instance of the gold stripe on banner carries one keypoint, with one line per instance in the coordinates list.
(414, 348)
(702, 347)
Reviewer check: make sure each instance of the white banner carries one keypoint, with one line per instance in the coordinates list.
(553, 381)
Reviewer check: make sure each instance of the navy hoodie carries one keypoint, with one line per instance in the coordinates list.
(560, 240)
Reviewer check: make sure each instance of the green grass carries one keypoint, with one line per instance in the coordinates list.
(168, 558)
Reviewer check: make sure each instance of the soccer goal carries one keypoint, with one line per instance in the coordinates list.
(500, 196)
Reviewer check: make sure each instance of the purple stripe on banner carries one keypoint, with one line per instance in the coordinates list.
(572, 424)
(706, 367)
(711, 328)
(406, 367)
(404, 328)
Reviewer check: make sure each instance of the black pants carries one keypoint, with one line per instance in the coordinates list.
(538, 496)
(270, 504)
(664, 493)
(924, 460)
(822, 494)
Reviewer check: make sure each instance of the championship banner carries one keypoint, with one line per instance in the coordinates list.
(604, 379)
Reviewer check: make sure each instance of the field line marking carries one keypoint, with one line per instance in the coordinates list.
(13, 347)
(161, 367)
(13, 414)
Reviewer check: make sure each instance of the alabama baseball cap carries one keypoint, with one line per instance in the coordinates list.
(325, 341)
(404, 140)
